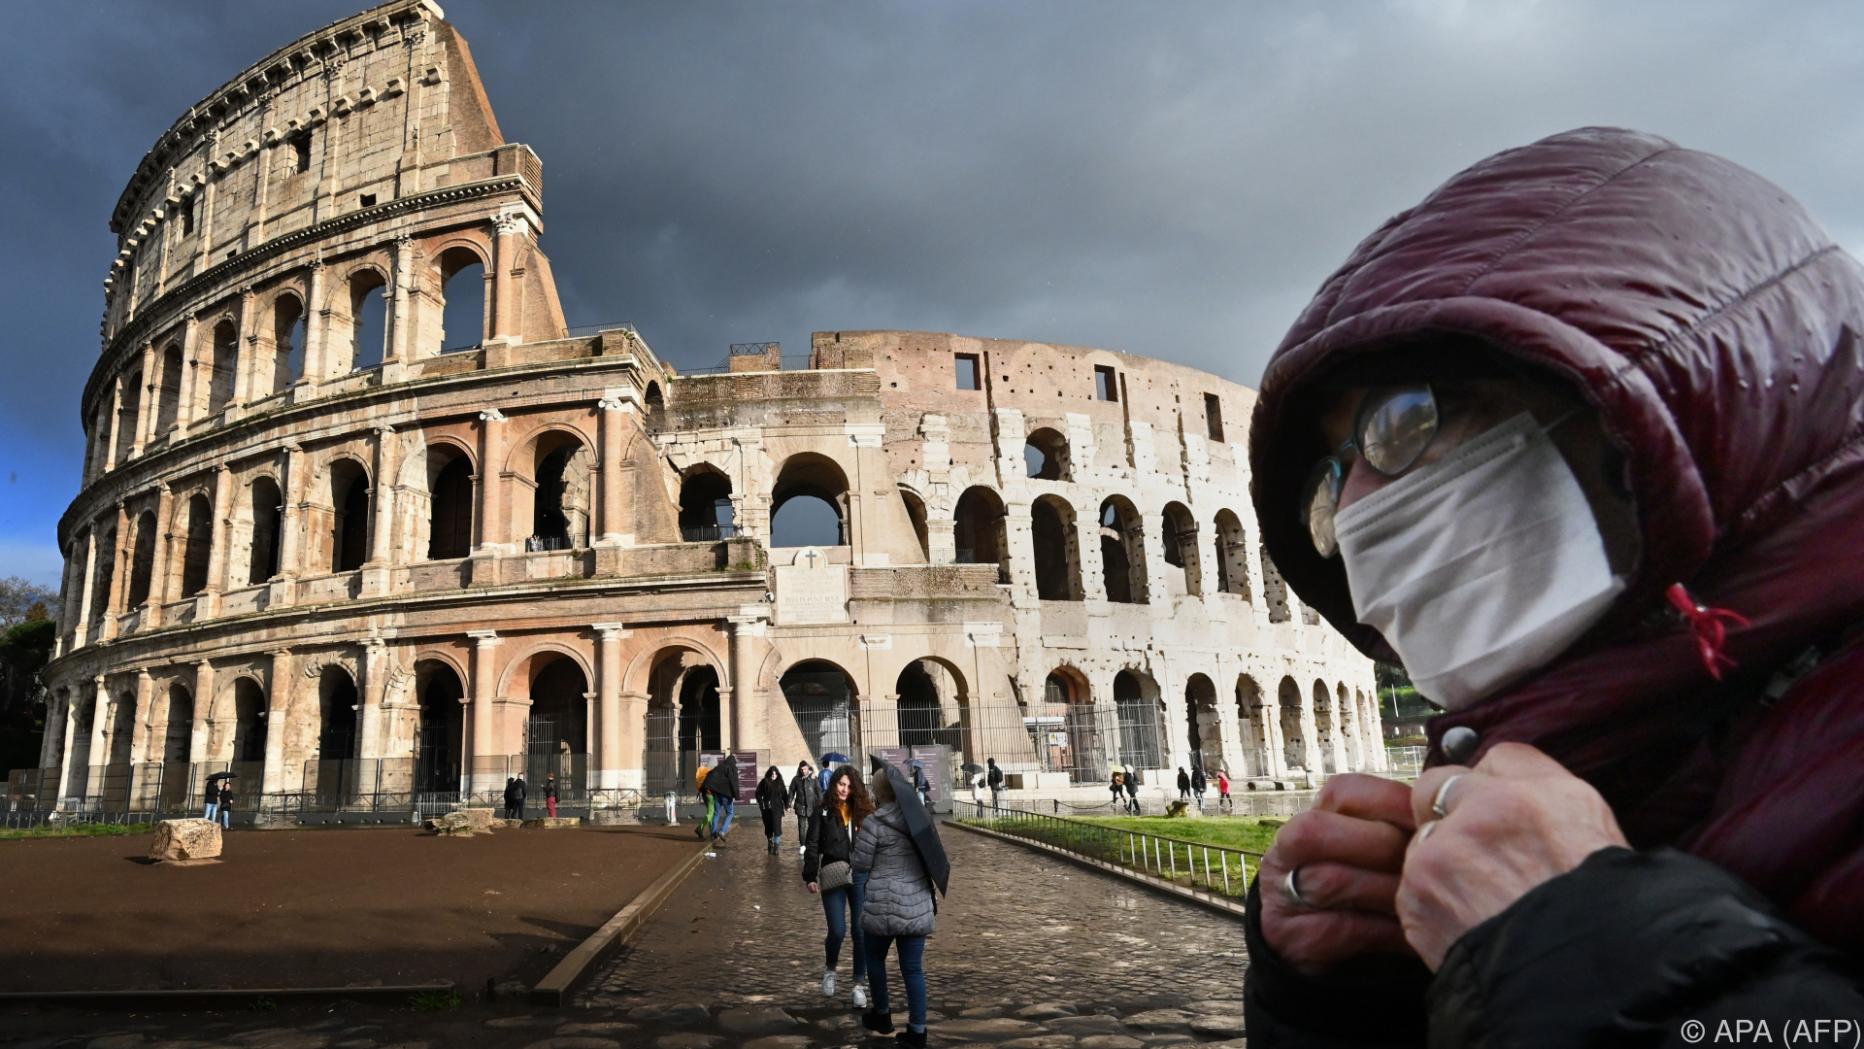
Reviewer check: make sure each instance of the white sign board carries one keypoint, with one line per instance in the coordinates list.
(810, 590)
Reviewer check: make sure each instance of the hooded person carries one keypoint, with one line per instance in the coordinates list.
(772, 798)
(1578, 440)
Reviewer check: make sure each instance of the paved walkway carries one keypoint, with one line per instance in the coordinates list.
(1030, 952)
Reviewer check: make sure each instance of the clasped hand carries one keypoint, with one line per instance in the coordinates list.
(1378, 870)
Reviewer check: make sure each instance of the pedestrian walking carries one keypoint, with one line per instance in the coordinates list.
(828, 846)
(213, 799)
(1132, 790)
(922, 785)
(511, 798)
(1116, 784)
(722, 787)
(1184, 784)
(226, 804)
(550, 794)
(899, 910)
(1199, 785)
(1224, 804)
(520, 791)
(805, 794)
(994, 777)
(977, 788)
(772, 798)
(711, 804)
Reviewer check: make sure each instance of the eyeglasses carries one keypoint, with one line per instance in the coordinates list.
(1394, 426)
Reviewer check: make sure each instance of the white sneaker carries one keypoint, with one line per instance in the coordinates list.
(828, 984)
(860, 996)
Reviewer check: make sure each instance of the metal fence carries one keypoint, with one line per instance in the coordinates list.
(1216, 871)
(1404, 761)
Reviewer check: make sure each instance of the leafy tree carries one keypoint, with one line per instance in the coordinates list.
(25, 648)
(22, 600)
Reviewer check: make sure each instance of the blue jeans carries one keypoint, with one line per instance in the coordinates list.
(721, 817)
(226, 817)
(912, 972)
(212, 807)
(836, 903)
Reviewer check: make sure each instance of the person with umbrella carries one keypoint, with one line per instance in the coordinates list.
(995, 778)
(975, 773)
(226, 803)
(1116, 785)
(899, 848)
(212, 794)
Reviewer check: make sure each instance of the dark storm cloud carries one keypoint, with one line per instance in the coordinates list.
(1169, 179)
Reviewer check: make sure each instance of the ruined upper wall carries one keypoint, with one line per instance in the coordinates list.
(360, 113)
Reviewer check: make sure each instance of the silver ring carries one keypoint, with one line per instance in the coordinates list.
(1437, 804)
(1294, 890)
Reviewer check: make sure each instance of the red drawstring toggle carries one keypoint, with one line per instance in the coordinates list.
(1710, 625)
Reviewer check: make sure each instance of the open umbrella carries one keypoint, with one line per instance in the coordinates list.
(835, 757)
(971, 766)
(919, 828)
(218, 776)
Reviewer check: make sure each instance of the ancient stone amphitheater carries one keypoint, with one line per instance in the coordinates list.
(365, 523)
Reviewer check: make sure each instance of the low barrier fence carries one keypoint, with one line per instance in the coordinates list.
(1216, 871)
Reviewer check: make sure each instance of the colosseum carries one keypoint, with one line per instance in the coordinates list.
(364, 522)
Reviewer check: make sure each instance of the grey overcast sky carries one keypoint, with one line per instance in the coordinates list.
(1168, 179)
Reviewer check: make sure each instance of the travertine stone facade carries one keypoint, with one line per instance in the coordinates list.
(346, 558)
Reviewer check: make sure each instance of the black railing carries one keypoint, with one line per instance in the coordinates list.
(711, 533)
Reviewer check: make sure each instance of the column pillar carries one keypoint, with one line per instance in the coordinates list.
(114, 599)
(401, 320)
(617, 415)
(199, 738)
(491, 495)
(52, 747)
(510, 227)
(1093, 571)
(208, 604)
(633, 718)
(316, 326)
(369, 697)
(376, 574)
(750, 728)
(159, 590)
(185, 409)
(277, 723)
(108, 460)
(609, 753)
(144, 401)
(1151, 543)
(483, 775)
(81, 630)
(65, 778)
(142, 726)
(102, 714)
(1274, 763)
(290, 539)
(247, 349)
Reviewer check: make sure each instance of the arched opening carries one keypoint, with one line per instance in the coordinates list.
(560, 502)
(1135, 700)
(168, 389)
(287, 342)
(1232, 552)
(809, 503)
(1057, 550)
(128, 407)
(682, 719)
(1067, 731)
(978, 529)
(368, 306)
(557, 737)
(106, 567)
(1045, 455)
(332, 772)
(438, 737)
(249, 734)
(916, 515)
(1185, 575)
(654, 398)
(450, 503)
(705, 505)
(174, 746)
(929, 707)
(267, 508)
(1294, 742)
(462, 296)
(198, 548)
(822, 698)
(117, 774)
(225, 367)
(1122, 552)
(1255, 740)
(142, 558)
(349, 516)
(1203, 725)
(1327, 728)
(1274, 591)
(79, 764)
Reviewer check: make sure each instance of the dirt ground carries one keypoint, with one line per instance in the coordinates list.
(301, 908)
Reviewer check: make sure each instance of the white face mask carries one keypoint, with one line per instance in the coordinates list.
(1479, 567)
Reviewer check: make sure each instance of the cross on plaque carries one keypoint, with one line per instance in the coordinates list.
(811, 555)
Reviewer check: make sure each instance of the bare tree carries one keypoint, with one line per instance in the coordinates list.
(23, 601)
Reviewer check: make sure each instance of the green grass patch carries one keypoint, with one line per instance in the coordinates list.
(1232, 832)
(436, 1001)
(74, 830)
(1181, 860)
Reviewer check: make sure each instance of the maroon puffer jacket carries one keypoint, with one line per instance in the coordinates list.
(1716, 328)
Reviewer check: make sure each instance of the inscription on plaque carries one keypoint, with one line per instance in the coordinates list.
(810, 590)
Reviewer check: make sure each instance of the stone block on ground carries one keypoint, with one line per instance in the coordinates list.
(479, 820)
(185, 840)
(450, 825)
(553, 823)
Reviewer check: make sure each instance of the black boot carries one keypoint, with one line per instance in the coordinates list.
(877, 1022)
(916, 1039)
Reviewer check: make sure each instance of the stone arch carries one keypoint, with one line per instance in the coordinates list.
(1326, 728)
(142, 558)
(1122, 551)
(706, 513)
(170, 364)
(1274, 590)
(1137, 705)
(916, 513)
(1184, 570)
(1231, 548)
(825, 700)
(250, 729)
(1295, 743)
(1255, 731)
(290, 328)
(1068, 694)
(1203, 723)
(980, 530)
(438, 500)
(223, 366)
(813, 488)
(560, 690)
(197, 535)
(685, 713)
(635, 679)
(129, 407)
(173, 749)
(1057, 548)
(342, 523)
(259, 527)
(1045, 455)
(932, 704)
(439, 726)
(515, 670)
(462, 284)
(554, 471)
